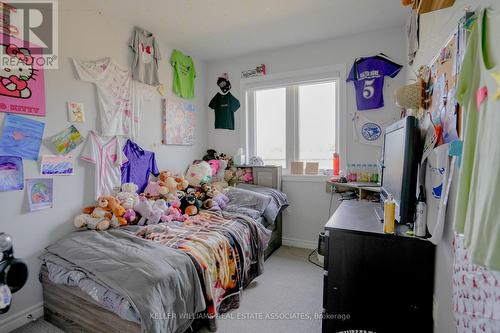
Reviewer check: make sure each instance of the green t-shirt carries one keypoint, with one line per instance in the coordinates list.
(224, 107)
(477, 212)
(184, 74)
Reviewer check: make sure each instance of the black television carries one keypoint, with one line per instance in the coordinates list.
(400, 167)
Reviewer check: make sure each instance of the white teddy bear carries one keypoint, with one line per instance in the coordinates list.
(128, 197)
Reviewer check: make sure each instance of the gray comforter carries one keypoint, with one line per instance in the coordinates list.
(160, 282)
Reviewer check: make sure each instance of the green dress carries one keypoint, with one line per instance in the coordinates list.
(477, 213)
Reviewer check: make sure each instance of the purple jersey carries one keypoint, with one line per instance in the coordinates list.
(139, 165)
(368, 76)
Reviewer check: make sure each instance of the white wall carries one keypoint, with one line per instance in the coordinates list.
(85, 35)
(435, 29)
(308, 211)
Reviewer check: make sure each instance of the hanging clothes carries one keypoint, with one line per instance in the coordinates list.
(140, 164)
(368, 77)
(477, 210)
(146, 56)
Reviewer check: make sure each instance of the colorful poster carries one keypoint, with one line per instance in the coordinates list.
(76, 113)
(40, 193)
(21, 137)
(67, 140)
(11, 173)
(178, 123)
(22, 87)
(53, 165)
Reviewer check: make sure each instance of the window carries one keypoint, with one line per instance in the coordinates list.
(270, 125)
(293, 121)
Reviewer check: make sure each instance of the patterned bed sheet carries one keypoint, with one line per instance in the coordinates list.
(227, 250)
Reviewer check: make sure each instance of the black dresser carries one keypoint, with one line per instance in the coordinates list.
(375, 282)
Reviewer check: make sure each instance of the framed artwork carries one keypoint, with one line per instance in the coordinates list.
(53, 165)
(21, 137)
(76, 112)
(11, 173)
(40, 193)
(22, 86)
(67, 140)
(178, 122)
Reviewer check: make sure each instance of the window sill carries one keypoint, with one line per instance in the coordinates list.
(305, 178)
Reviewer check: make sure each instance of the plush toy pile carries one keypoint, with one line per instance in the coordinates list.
(169, 199)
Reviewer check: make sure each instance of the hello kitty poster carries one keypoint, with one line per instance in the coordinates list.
(22, 86)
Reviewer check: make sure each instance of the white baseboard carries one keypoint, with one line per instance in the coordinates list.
(21, 318)
(300, 243)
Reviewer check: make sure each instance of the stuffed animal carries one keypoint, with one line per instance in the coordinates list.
(217, 203)
(247, 176)
(189, 203)
(211, 155)
(93, 223)
(128, 197)
(171, 182)
(148, 214)
(170, 213)
(162, 205)
(182, 183)
(215, 165)
(154, 190)
(130, 216)
(199, 172)
(227, 158)
(175, 211)
(231, 176)
(117, 210)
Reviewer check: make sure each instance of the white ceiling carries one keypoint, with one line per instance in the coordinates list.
(216, 29)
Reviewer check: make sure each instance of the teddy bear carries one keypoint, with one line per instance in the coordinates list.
(211, 155)
(89, 222)
(149, 214)
(171, 182)
(128, 196)
(233, 176)
(95, 217)
(189, 203)
(117, 210)
(154, 190)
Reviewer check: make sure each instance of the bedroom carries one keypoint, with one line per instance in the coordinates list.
(308, 49)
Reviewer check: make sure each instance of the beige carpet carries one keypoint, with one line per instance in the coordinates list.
(286, 298)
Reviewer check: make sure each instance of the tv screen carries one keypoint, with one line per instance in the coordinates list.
(399, 173)
(394, 162)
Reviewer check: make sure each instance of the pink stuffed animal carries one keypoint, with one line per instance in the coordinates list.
(175, 211)
(148, 213)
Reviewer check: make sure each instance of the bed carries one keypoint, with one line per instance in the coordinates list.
(78, 296)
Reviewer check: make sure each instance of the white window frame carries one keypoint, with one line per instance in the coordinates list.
(291, 80)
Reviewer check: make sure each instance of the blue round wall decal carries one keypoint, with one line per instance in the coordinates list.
(371, 131)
